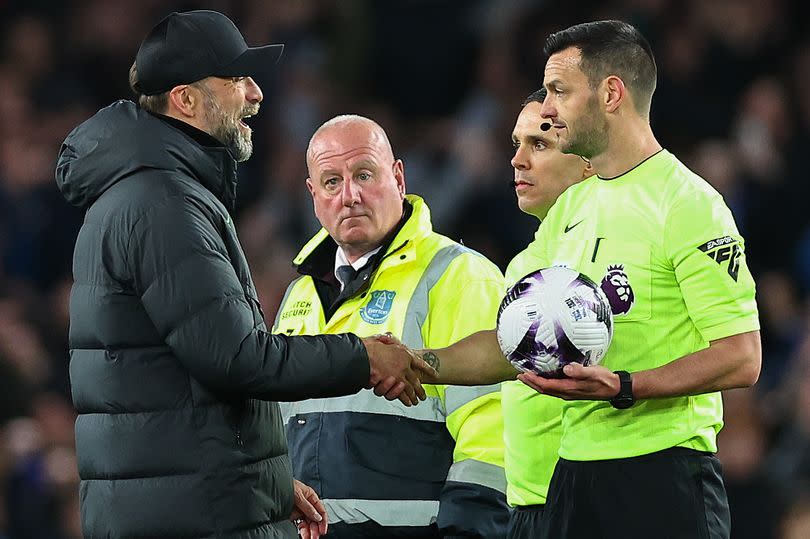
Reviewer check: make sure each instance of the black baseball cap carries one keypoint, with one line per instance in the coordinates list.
(189, 46)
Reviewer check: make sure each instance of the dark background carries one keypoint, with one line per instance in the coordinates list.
(445, 78)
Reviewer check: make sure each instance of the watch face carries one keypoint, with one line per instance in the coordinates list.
(622, 402)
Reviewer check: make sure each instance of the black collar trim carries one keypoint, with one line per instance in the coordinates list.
(631, 169)
(200, 137)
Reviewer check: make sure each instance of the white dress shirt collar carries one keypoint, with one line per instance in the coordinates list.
(341, 260)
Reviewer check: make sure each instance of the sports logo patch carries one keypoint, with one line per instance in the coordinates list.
(378, 307)
(616, 286)
(725, 249)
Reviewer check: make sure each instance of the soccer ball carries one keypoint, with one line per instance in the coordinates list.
(552, 317)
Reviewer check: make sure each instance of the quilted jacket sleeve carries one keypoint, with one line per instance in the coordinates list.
(187, 283)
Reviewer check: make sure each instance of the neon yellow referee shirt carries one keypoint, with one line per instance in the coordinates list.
(665, 248)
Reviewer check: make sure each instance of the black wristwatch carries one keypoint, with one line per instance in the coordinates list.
(624, 398)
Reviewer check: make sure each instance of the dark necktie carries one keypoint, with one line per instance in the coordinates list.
(346, 274)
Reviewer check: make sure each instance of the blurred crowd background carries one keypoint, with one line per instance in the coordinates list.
(445, 78)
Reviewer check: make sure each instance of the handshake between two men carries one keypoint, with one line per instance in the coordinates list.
(396, 370)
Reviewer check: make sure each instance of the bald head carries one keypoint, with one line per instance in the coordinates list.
(348, 130)
(357, 186)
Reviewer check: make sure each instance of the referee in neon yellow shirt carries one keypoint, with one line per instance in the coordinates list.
(639, 432)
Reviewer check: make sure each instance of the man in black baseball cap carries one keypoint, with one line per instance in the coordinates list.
(174, 374)
(201, 54)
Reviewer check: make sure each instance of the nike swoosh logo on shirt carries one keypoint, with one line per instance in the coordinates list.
(571, 227)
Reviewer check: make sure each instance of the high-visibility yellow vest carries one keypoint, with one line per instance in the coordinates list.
(371, 459)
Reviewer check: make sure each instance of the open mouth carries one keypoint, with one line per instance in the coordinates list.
(242, 121)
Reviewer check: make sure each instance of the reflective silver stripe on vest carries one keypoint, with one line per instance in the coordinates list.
(383, 512)
(417, 311)
(457, 396)
(367, 402)
(480, 473)
(284, 302)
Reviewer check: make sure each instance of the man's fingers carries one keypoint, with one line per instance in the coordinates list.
(322, 514)
(530, 380)
(387, 338)
(395, 390)
(317, 503)
(308, 529)
(410, 381)
(575, 370)
(418, 391)
(563, 388)
(404, 393)
(385, 387)
(407, 397)
(304, 505)
(308, 505)
(411, 394)
(310, 512)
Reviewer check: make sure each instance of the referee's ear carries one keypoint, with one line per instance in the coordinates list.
(615, 93)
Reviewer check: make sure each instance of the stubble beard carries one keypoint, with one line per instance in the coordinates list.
(591, 137)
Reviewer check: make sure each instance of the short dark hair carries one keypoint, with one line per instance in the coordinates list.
(156, 104)
(611, 48)
(538, 96)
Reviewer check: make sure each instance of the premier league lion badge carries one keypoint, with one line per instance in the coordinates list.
(616, 286)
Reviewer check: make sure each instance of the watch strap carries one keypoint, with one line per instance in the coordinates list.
(624, 398)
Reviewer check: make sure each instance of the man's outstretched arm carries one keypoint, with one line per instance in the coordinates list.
(473, 361)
